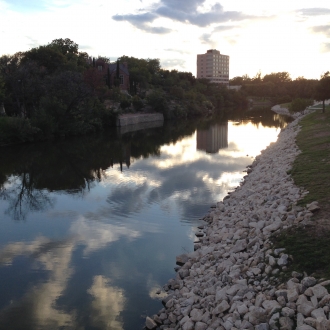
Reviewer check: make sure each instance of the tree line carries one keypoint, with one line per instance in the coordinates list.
(55, 90)
(280, 88)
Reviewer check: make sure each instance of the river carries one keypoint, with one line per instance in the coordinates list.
(91, 226)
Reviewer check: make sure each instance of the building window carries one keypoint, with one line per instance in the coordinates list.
(100, 67)
(121, 78)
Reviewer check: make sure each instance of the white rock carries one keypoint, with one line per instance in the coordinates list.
(310, 321)
(319, 291)
(150, 323)
(293, 294)
(200, 326)
(196, 315)
(223, 306)
(305, 308)
(286, 323)
(318, 313)
(322, 324)
(268, 305)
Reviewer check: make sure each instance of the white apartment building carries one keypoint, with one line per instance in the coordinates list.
(213, 66)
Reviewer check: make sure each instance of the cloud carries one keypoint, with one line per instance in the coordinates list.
(314, 11)
(136, 19)
(181, 11)
(173, 63)
(108, 303)
(325, 47)
(325, 29)
(221, 28)
(180, 51)
(140, 21)
(206, 39)
(98, 237)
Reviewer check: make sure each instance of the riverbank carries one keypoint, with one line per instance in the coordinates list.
(285, 111)
(233, 278)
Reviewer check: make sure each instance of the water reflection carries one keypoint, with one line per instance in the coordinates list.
(213, 139)
(106, 216)
(107, 304)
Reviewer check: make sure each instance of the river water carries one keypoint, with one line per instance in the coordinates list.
(90, 227)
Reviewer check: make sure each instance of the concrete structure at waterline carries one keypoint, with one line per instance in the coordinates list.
(213, 139)
(133, 119)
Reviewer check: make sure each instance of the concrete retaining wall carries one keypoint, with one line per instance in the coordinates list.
(133, 119)
(139, 126)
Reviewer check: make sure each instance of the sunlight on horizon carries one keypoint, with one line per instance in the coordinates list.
(285, 36)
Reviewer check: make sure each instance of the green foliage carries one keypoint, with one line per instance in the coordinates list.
(125, 103)
(157, 100)
(2, 89)
(277, 77)
(310, 251)
(16, 130)
(65, 46)
(298, 104)
(322, 91)
(137, 103)
(116, 94)
(311, 168)
(142, 71)
(177, 91)
(277, 85)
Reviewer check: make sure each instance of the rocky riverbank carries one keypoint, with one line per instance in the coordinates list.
(231, 279)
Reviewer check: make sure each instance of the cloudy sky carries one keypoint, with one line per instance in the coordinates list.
(258, 35)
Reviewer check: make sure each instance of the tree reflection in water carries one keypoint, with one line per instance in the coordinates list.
(30, 172)
(22, 196)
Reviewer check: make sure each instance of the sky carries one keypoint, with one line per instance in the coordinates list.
(258, 35)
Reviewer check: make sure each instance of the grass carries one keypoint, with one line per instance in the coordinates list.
(310, 251)
(310, 245)
(319, 105)
(285, 105)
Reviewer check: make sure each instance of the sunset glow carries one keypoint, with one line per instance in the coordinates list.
(258, 35)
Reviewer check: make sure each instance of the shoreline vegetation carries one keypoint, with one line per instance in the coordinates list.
(263, 256)
(55, 91)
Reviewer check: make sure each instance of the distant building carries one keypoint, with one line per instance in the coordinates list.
(213, 139)
(213, 66)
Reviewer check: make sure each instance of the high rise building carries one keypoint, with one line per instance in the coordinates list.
(213, 66)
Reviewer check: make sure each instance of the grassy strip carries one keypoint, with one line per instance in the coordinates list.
(285, 105)
(310, 245)
(320, 106)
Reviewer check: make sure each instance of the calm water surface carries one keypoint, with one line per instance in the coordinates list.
(90, 227)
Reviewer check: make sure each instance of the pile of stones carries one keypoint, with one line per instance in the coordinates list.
(231, 280)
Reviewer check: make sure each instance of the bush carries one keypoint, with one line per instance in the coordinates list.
(157, 101)
(298, 104)
(137, 103)
(15, 130)
(125, 104)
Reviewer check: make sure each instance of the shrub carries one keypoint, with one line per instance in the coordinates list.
(157, 101)
(15, 129)
(125, 103)
(137, 103)
(298, 104)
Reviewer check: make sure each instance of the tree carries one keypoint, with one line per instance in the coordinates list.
(48, 57)
(117, 79)
(65, 46)
(277, 77)
(322, 92)
(104, 59)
